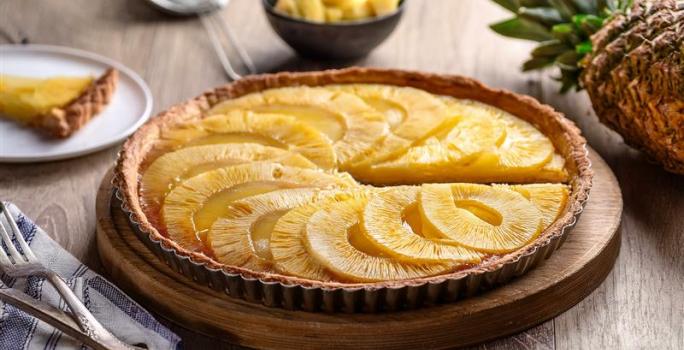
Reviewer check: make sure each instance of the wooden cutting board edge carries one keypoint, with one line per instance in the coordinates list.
(567, 277)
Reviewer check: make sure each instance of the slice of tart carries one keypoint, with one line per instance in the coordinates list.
(56, 106)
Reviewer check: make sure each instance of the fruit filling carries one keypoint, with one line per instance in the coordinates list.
(255, 184)
(24, 98)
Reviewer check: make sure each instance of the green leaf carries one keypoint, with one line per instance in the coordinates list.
(568, 60)
(551, 48)
(564, 8)
(566, 32)
(568, 80)
(510, 5)
(522, 28)
(600, 6)
(534, 3)
(590, 24)
(584, 48)
(546, 15)
(586, 6)
(537, 63)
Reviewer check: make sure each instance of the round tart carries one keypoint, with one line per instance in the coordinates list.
(357, 189)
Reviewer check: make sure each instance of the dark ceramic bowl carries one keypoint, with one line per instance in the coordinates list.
(342, 40)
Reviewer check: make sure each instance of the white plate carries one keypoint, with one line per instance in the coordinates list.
(129, 108)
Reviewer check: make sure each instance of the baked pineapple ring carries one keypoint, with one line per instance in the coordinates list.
(255, 185)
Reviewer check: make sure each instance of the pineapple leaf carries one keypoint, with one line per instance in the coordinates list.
(537, 63)
(551, 48)
(522, 28)
(565, 9)
(566, 32)
(586, 6)
(568, 60)
(584, 48)
(534, 3)
(510, 5)
(590, 24)
(546, 15)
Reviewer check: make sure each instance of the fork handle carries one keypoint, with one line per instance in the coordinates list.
(89, 325)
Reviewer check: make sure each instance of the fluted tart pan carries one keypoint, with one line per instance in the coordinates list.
(291, 292)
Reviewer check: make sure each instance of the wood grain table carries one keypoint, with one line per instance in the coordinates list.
(641, 303)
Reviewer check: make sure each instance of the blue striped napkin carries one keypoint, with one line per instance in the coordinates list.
(125, 318)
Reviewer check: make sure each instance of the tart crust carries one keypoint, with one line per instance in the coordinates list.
(561, 131)
(62, 122)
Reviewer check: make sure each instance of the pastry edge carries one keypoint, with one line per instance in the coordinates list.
(62, 122)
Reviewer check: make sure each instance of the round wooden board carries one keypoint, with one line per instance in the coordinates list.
(569, 275)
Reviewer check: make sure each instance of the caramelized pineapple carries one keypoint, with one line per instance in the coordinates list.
(349, 123)
(243, 236)
(550, 199)
(172, 168)
(287, 239)
(480, 217)
(23, 98)
(194, 205)
(255, 182)
(329, 236)
(412, 115)
(274, 130)
(485, 144)
(391, 221)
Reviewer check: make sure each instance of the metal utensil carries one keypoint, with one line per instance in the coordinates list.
(22, 263)
(50, 315)
(214, 25)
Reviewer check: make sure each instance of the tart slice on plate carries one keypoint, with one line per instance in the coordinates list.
(57, 106)
(362, 181)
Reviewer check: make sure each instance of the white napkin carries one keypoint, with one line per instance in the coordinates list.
(122, 316)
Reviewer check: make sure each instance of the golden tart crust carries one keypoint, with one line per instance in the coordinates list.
(62, 122)
(561, 131)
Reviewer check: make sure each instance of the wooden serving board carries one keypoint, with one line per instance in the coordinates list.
(568, 276)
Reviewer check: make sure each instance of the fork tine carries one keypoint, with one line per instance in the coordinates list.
(6, 237)
(17, 233)
(4, 260)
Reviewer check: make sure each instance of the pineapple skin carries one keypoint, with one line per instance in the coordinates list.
(640, 92)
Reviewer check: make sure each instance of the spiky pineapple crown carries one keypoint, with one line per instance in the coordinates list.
(563, 29)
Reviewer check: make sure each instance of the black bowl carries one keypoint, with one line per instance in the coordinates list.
(341, 40)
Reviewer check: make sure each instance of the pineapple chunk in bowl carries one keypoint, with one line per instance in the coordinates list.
(340, 38)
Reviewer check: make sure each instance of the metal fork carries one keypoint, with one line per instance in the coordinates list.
(23, 263)
(208, 12)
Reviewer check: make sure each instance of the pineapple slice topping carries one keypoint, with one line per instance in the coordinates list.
(194, 205)
(351, 125)
(485, 144)
(438, 156)
(287, 239)
(550, 199)
(386, 221)
(480, 217)
(175, 167)
(412, 114)
(330, 237)
(243, 237)
(241, 184)
(23, 98)
(268, 129)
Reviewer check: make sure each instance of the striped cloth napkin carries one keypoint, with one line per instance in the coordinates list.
(122, 316)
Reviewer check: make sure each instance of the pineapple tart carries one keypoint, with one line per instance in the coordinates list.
(354, 177)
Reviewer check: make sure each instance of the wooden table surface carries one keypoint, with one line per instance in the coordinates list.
(641, 303)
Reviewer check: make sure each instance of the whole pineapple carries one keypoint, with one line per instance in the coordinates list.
(627, 54)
